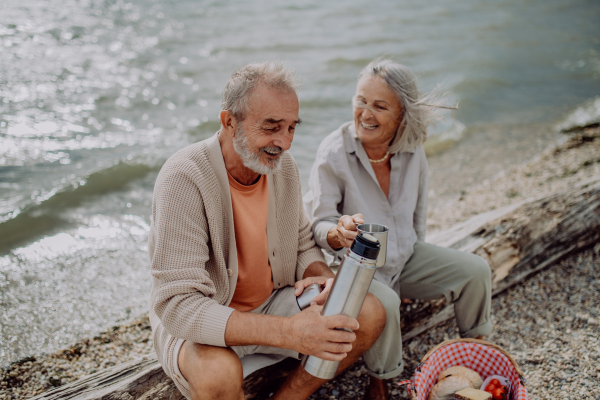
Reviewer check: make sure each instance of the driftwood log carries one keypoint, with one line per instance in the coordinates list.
(516, 241)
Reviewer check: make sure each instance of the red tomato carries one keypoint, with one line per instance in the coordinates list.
(495, 382)
(498, 394)
(490, 388)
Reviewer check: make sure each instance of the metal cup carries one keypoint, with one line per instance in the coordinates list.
(381, 233)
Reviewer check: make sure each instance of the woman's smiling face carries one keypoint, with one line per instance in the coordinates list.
(377, 111)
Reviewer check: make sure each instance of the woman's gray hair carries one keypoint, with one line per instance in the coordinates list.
(418, 111)
(242, 83)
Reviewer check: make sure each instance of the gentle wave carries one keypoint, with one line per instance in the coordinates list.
(586, 114)
(37, 219)
(444, 139)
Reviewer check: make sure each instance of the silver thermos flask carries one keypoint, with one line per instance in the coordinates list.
(347, 294)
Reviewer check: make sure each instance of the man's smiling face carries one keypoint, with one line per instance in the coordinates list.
(268, 129)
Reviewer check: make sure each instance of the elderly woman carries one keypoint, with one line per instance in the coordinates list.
(375, 167)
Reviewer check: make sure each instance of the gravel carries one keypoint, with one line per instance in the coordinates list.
(550, 323)
(557, 168)
(34, 375)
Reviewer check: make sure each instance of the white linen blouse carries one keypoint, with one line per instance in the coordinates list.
(342, 182)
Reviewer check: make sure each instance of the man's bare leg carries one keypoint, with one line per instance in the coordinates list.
(213, 373)
(378, 389)
(300, 384)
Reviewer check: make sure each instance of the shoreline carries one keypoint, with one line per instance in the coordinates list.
(554, 169)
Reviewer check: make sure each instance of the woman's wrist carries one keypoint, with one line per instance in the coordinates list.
(333, 239)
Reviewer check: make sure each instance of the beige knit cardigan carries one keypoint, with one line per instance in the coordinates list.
(192, 241)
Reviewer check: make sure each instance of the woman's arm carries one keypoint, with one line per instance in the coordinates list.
(325, 197)
(322, 200)
(345, 231)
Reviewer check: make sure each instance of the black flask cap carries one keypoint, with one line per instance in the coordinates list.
(366, 246)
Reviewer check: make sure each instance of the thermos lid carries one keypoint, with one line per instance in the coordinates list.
(366, 246)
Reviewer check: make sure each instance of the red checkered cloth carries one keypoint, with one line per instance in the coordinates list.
(479, 357)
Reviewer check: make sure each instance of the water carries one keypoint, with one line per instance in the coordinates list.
(95, 95)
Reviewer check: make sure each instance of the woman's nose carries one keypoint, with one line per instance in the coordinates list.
(367, 112)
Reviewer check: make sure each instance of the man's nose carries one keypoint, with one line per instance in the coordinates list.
(284, 139)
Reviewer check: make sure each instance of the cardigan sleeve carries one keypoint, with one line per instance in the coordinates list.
(182, 294)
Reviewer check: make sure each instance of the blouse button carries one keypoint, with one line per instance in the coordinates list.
(229, 272)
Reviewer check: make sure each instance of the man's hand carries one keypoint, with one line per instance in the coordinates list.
(344, 233)
(308, 332)
(322, 281)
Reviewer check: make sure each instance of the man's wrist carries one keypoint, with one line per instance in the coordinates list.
(284, 332)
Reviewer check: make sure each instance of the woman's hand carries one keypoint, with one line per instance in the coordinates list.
(344, 233)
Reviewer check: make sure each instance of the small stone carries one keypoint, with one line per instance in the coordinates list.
(335, 392)
(55, 380)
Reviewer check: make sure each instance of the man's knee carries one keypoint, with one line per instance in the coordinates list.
(372, 317)
(212, 372)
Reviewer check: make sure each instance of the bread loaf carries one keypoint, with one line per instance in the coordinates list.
(459, 370)
(445, 389)
(472, 394)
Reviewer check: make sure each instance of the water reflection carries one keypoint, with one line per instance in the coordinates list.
(95, 94)
(66, 285)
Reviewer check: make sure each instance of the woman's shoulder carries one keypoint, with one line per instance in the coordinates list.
(335, 142)
(418, 153)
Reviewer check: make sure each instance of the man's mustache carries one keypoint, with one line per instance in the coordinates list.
(273, 150)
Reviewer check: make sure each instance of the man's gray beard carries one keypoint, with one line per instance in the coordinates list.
(252, 160)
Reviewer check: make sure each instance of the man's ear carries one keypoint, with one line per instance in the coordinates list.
(228, 122)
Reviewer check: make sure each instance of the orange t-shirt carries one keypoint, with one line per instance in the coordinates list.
(250, 207)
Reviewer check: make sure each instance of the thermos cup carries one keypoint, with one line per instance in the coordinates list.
(347, 294)
(381, 233)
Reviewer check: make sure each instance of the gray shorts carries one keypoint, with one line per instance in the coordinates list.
(282, 302)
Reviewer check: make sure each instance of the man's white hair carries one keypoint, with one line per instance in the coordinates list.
(242, 83)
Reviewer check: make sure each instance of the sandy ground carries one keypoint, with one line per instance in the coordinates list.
(550, 323)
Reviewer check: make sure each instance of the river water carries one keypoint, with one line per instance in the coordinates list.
(96, 94)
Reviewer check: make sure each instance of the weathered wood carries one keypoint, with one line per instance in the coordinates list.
(142, 378)
(516, 242)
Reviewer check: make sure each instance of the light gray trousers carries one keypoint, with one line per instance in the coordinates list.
(432, 272)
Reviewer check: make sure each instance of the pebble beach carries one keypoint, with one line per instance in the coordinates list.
(549, 323)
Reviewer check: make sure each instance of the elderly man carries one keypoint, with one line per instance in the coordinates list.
(231, 247)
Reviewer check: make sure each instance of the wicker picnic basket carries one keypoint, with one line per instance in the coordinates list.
(483, 357)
